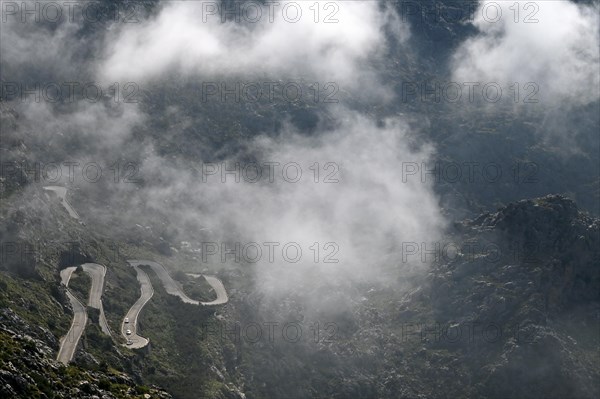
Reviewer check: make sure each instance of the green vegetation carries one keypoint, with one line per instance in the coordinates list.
(80, 285)
(196, 288)
(181, 353)
(42, 378)
(35, 301)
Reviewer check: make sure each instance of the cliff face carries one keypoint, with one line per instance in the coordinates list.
(535, 291)
(514, 312)
(564, 242)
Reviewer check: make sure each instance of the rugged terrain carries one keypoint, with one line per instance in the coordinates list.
(506, 304)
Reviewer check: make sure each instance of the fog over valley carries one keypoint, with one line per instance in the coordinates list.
(293, 199)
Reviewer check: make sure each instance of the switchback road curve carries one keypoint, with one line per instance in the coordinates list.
(61, 193)
(171, 287)
(69, 342)
(134, 340)
(97, 272)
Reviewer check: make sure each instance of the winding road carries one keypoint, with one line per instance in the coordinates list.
(171, 287)
(61, 193)
(97, 273)
(69, 342)
(134, 340)
(219, 288)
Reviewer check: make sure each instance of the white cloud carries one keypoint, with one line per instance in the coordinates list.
(559, 52)
(82, 130)
(33, 47)
(185, 38)
(368, 214)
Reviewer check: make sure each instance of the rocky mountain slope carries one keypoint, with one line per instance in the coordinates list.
(505, 305)
(28, 368)
(512, 295)
(510, 309)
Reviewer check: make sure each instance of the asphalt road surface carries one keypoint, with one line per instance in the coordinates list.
(172, 288)
(69, 342)
(217, 285)
(170, 285)
(61, 193)
(97, 273)
(134, 340)
(65, 275)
